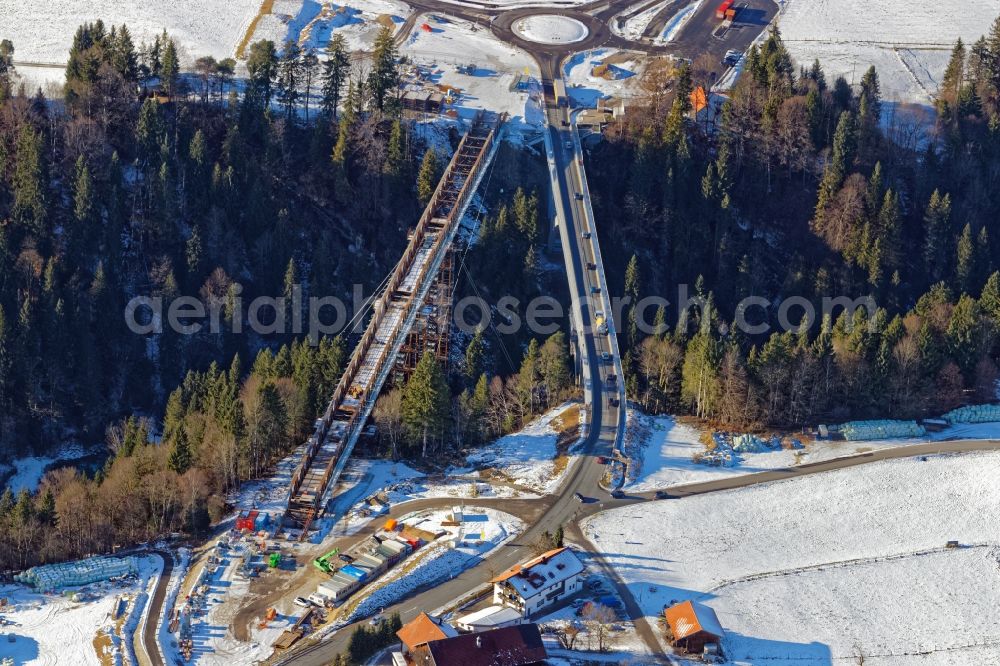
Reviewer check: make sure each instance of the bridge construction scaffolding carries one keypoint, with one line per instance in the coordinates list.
(419, 287)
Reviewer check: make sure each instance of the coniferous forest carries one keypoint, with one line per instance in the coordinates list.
(802, 191)
(146, 180)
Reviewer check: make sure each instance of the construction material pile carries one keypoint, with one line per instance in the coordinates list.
(974, 414)
(82, 572)
(880, 429)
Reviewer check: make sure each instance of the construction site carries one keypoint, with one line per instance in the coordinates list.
(408, 318)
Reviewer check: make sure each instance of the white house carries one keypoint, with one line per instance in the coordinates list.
(491, 617)
(539, 583)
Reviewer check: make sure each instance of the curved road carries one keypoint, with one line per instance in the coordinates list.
(150, 647)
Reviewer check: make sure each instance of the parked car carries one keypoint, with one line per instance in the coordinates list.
(605, 356)
(568, 145)
(345, 558)
(578, 196)
(586, 235)
(579, 498)
(617, 494)
(591, 266)
(301, 601)
(595, 290)
(732, 57)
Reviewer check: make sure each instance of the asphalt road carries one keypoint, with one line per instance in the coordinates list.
(150, 649)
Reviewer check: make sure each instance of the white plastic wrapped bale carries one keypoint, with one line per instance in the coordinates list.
(81, 572)
(974, 414)
(881, 429)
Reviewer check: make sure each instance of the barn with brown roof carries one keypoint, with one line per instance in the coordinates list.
(692, 626)
(421, 630)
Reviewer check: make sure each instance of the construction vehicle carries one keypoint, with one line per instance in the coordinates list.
(323, 562)
(273, 560)
(720, 12)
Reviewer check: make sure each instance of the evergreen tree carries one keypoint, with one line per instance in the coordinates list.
(170, 67)
(289, 71)
(262, 66)
(30, 184)
(952, 82)
(335, 70)
(180, 459)
(964, 268)
(425, 402)
(937, 236)
(83, 195)
(427, 178)
(383, 78)
(474, 356)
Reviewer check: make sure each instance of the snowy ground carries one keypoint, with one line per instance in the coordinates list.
(587, 89)
(667, 458)
(623, 643)
(53, 629)
(214, 643)
(26, 473)
(312, 23)
(439, 561)
(452, 44)
(42, 30)
(908, 41)
(527, 457)
(550, 29)
(815, 569)
(635, 25)
(515, 4)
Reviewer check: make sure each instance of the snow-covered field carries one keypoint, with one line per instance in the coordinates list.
(667, 457)
(816, 569)
(42, 31)
(54, 629)
(908, 41)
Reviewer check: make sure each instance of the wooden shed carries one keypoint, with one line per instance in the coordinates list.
(692, 626)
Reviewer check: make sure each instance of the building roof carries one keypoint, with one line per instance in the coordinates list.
(546, 570)
(519, 645)
(423, 629)
(491, 616)
(688, 618)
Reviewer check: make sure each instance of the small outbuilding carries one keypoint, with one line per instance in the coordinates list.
(692, 625)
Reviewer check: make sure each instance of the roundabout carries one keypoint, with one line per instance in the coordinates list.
(550, 29)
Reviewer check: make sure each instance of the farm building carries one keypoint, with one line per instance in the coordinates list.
(420, 631)
(693, 625)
